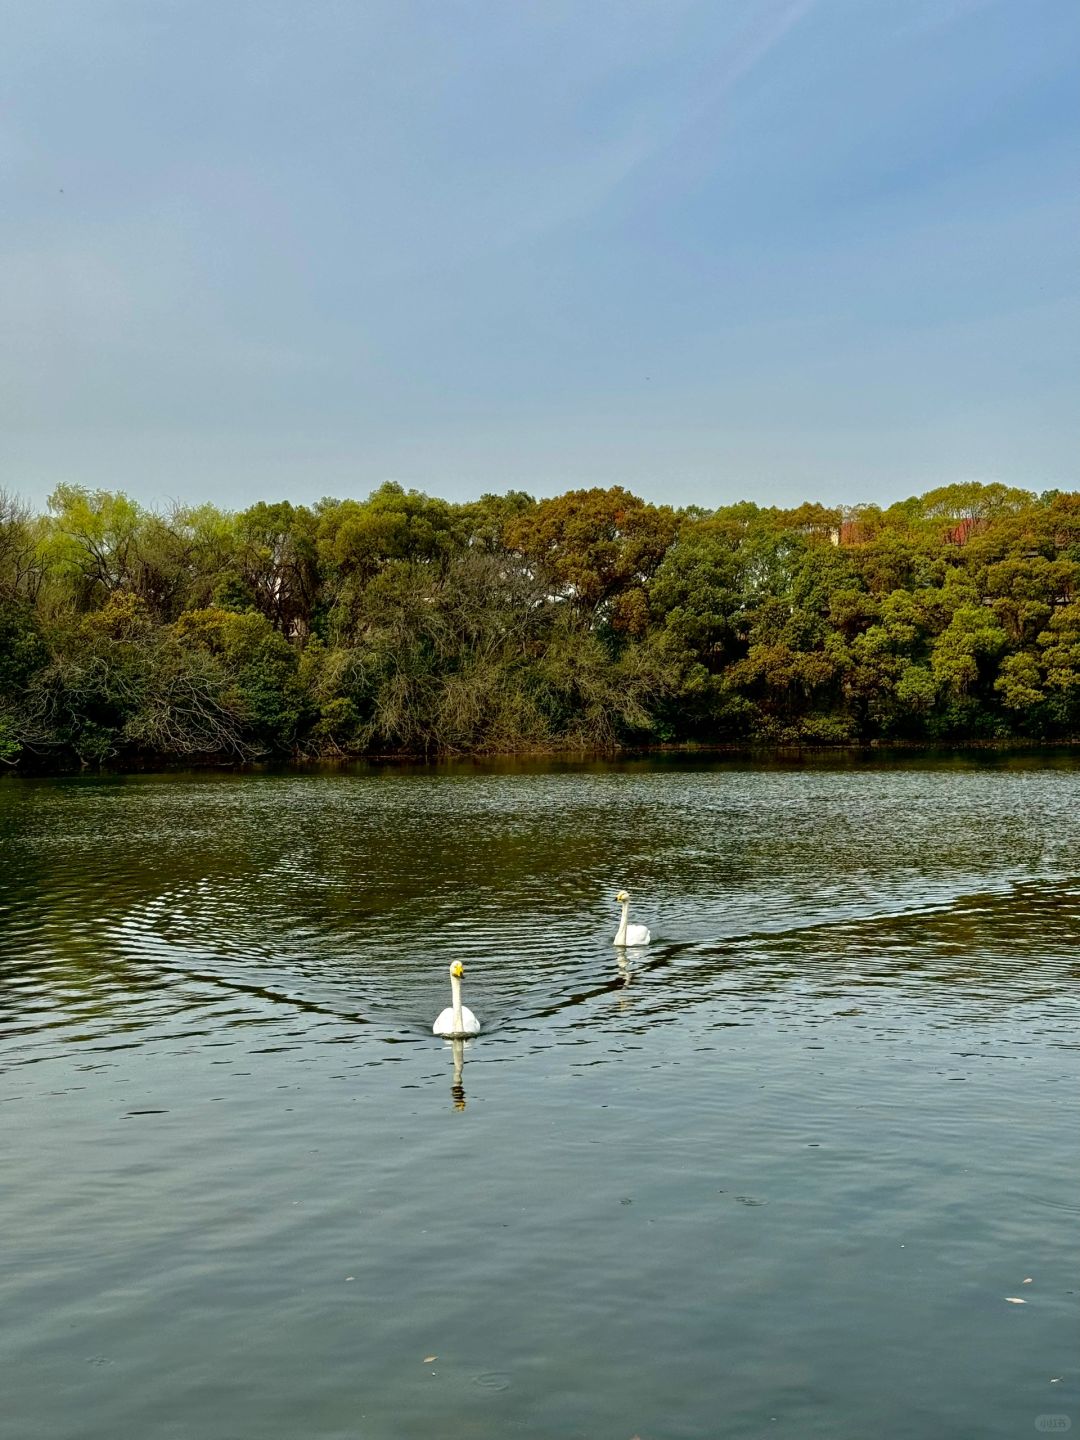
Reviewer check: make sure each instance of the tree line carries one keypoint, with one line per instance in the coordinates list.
(406, 624)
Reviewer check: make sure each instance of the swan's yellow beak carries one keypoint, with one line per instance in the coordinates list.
(622, 897)
(457, 969)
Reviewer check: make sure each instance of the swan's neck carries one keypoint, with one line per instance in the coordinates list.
(455, 1001)
(620, 934)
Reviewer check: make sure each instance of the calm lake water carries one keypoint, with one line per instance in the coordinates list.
(779, 1176)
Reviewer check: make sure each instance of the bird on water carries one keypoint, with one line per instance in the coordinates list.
(457, 1020)
(628, 934)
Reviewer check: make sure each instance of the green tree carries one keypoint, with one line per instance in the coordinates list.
(261, 668)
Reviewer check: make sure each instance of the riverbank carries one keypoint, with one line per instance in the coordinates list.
(984, 751)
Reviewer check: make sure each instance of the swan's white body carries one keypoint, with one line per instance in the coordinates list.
(628, 934)
(457, 1019)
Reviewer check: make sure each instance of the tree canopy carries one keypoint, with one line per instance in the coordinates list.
(403, 623)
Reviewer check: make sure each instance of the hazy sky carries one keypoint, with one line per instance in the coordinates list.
(775, 249)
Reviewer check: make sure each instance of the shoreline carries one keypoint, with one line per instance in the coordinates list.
(608, 755)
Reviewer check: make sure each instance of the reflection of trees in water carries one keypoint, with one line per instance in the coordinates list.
(86, 939)
(339, 895)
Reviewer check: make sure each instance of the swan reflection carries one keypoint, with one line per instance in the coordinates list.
(457, 1088)
(626, 974)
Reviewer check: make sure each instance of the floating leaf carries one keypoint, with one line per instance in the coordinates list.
(1014, 1300)
(430, 1359)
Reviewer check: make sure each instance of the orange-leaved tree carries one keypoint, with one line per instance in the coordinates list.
(596, 549)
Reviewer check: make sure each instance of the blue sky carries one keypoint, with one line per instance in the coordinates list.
(776, 249)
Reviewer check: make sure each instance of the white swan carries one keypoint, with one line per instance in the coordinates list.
(457, 1019)
(629, 934)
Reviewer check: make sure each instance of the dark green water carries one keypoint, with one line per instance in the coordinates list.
(778, 1178)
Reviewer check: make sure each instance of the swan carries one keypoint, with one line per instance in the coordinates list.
(457, 1019)
(629, 934)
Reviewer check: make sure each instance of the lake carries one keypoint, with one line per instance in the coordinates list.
(788, 1171)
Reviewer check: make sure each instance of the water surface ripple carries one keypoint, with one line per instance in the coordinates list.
(780, 1172)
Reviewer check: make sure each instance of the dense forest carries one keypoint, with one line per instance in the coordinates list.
(406, 624)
